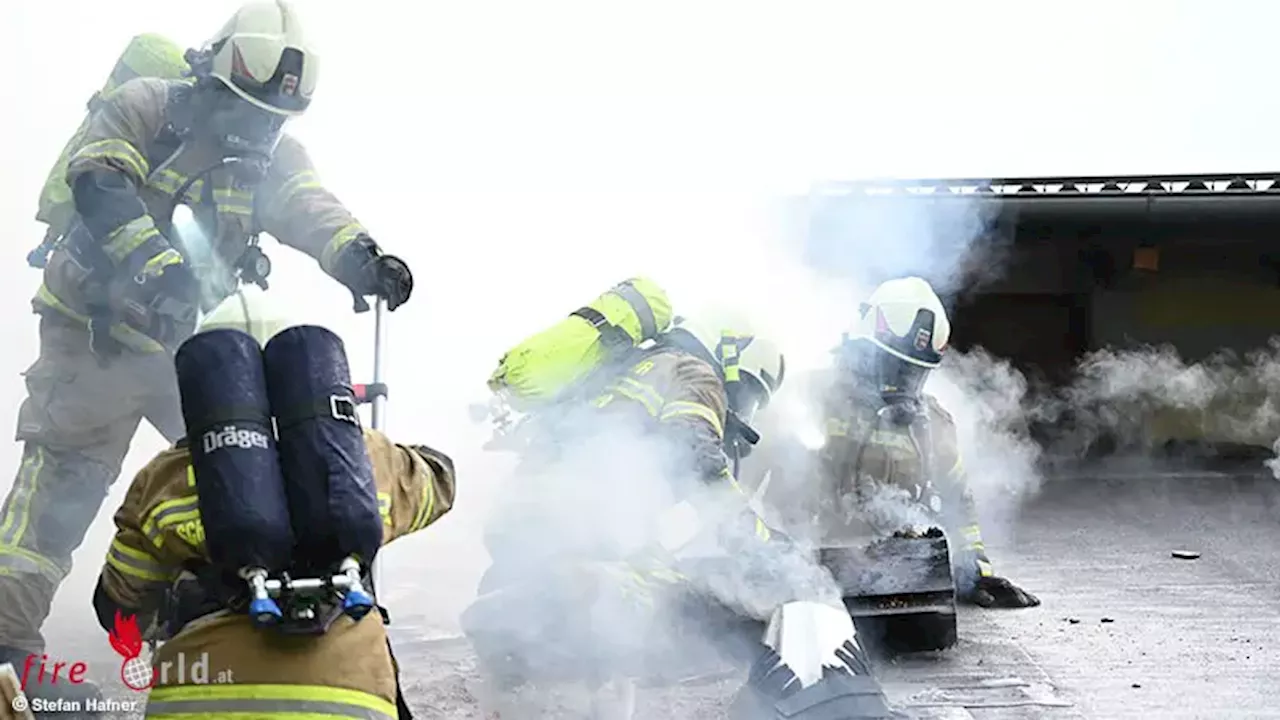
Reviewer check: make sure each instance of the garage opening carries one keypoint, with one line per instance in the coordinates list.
(1126, 264)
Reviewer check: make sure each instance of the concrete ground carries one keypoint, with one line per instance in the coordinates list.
(1125, 629)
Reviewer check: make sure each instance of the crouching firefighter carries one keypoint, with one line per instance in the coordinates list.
(124, 288)
(617, 373)
(883, 431)
(248, 545)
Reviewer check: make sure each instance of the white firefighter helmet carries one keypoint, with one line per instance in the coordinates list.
(248, 310)
(905, 320)
(262, 55)
(747, 359)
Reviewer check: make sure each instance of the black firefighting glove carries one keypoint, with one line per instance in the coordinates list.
(364, 270)
(998, 592)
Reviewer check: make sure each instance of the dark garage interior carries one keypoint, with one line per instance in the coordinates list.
(1122, 263)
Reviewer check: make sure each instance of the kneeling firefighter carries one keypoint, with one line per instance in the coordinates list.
(248, 545)
(883, 430)
(568, 601)
(123, 288)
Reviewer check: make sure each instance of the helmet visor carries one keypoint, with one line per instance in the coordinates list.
(747, 397)
(284, 90)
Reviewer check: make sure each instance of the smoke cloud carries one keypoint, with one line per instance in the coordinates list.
(518, 181)
(1144, 400)
(855, 240)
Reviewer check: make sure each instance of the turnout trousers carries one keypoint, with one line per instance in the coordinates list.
(76, 425)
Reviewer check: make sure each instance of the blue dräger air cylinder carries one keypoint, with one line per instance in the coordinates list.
(243, 505)
(333, 499)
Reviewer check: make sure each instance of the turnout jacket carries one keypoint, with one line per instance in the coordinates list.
(667, 393)
(864, 456)
(348, 671)
(139, 162)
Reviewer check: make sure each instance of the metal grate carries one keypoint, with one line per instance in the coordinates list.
(1061, 188)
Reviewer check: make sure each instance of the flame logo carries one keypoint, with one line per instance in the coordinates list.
(135, 672)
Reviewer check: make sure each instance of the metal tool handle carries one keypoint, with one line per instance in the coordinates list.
(379, 398)
(379, 359)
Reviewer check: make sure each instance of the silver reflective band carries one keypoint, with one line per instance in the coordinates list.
(315, 707)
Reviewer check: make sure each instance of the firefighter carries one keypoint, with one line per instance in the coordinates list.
(153, 572)
(883, 431)
(562, 601)
(124, 288)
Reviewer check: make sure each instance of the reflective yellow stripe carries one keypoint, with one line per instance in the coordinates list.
(125, 334)
(136, 563)
(24, 561)
(426, 506)
(266, 701)
(729, 360)
(124, 153)
(157, 264)
(168, 513)
(958, 468)
(341, 239)
(762, 530)
(129, 237)
(305, 180)
(837, 427)
(642, 393)
(233, 202)
(384, 507)
(985, 569)
(889, 439)
(24, 490)
(169, 181)
(684, 408)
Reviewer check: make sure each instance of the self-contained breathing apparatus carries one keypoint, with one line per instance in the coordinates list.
(287, 494)
(869, 375)
(204, 110)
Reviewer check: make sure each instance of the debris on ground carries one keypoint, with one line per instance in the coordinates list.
(1186, 554)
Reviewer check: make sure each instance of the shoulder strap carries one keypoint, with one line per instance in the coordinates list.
(164, 147)
(614, 337)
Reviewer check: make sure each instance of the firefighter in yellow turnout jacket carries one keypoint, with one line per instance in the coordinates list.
(575, 599)
(159, 543)
(595, 465)
(889, 446)
(123, 288)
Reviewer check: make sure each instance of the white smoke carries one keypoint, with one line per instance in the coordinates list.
(956, 242)
(1140, 400)
(990, 402)
(577, 548)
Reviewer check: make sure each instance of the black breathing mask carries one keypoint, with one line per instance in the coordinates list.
(746, 397)
(897, 382)
(246, 134)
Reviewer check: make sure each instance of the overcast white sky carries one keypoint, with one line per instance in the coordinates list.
(524, 156)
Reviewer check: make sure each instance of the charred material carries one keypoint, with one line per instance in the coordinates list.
(899, 590)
